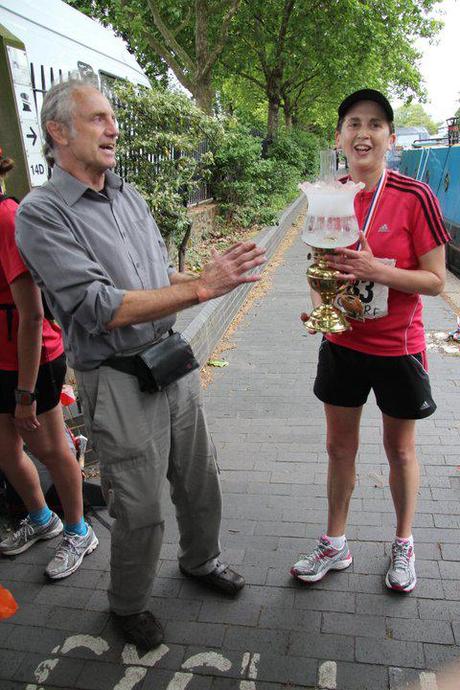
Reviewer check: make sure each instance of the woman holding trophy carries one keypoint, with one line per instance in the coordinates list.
(399, 256)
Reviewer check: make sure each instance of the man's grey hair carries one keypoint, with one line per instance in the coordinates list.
(58, 106)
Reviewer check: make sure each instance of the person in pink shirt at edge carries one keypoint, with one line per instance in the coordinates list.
(400, 256)
(32, 371)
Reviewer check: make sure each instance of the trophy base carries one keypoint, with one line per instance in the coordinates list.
(327, 319)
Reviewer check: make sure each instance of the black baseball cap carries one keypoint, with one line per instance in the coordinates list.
(366, 95)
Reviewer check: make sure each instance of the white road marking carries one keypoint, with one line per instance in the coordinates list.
(44, 668)
(328, 675)
(428, 681)
(180, 681)
(132, 676)
(96, 644)
(253, 666)
(208, 659)
(130, 655)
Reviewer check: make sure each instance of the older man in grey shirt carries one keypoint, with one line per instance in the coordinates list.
(92, 245)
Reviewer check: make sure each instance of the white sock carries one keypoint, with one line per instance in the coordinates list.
(336, 542)
(405, 540)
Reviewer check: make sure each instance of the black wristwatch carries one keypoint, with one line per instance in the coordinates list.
(23, 397)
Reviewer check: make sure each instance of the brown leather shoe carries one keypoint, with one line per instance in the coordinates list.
(142, 629)
(223, 579)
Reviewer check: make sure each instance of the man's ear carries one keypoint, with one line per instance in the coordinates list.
(58, 132)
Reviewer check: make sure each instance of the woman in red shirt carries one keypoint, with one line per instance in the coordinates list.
(32, 371)
(400, 257)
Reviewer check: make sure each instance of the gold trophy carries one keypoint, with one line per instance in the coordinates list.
(330, 224)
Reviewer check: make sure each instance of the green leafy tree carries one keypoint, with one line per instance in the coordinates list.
(188, 37)
(414, 115)
(160, 135)
(305, 55)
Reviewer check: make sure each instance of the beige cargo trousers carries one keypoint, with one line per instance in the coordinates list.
(141, 440)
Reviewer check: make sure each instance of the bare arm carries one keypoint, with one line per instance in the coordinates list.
(27, 298)
(427, 279)
(221, 275)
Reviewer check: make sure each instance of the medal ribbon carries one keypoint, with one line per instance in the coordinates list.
(371, 213)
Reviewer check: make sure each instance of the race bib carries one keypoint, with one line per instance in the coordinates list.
(366, 299)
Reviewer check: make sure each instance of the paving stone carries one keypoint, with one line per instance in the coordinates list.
(390, 652)
(450, 552)
(101, 676)
(78, 621)
(33, 639)
(388, 604)
(10, 662)
(325, 600)
(272, 642)
(437, 655)
(63, 596)
(439, 610)
(290, 619)
(287, 670)
(64, 673)
(354, 624)
(450, 570)
(232, 613)
(31, 614)
(402, 678)
(324, 646)
(419, 630)
(451, 589)
(205, 634)
(353, 676)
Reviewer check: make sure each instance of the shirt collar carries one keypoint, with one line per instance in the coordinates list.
(71, 189)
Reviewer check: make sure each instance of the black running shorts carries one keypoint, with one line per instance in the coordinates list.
(48, 389)
(401, 384)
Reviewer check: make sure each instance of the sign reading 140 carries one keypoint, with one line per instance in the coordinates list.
(37, 169)
(25, 106)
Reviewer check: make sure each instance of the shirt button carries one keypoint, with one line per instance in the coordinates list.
(138, 265)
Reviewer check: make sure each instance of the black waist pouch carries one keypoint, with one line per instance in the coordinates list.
(168, 360)
(160, 364)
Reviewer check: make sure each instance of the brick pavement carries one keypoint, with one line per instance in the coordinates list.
(347, 632)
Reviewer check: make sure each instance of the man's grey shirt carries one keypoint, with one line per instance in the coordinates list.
(85, 250)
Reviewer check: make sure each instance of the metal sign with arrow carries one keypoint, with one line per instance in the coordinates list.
(37, 167)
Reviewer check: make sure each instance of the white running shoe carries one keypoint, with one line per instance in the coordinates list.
(70, 554)
(28, 533)
(401, 573)
(314, 566)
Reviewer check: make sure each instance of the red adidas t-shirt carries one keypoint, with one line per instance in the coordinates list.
(407, 224)
(12, 266)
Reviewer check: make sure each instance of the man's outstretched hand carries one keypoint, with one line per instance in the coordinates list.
(228, 270)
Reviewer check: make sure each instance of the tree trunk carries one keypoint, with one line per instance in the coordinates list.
(181, 252)
(204, 95)
(273, 117)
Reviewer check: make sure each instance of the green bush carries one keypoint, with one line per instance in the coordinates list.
(241, 179)
(160, 134)
(251, 189)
